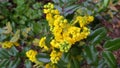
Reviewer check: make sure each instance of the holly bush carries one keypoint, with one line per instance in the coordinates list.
(58, 33)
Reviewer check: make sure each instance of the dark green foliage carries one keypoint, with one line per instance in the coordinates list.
(9, 58)
(112, 45)
(104, 57)
(109, 59)
(97, 35)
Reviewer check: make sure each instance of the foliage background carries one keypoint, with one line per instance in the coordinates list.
(23, 21)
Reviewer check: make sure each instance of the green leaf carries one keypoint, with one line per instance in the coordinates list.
(2, 37)
(66, 57)
(43, 57)
(102, 64)
(56, 1)
(75, 51)
(4, 62)
(10, 64)
(76, 63)
(19, 2)
(4, 54)
(13, 51)
(112, 45)
(28, 64)
(16, 63)
(9, 60)
(65, 61)
(45, 60)
(37, 27)
(16, 36)
(98, 35)
(1, 31)
(70, 9)
(110, 59)
(62, 64)
(66, 7)
(105, 3)
(3, 9)
(37, 5)
(91, 55)
(73, 63)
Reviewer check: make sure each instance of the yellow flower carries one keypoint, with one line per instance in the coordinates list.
(46, 11)
(90, 18)
(83, 20)
(7, 44)
(45, 6)
(56, 12)
(49, 17)
(42, 43)
(71, 35)
(31, 54)
(54, 44)
(55, 56)
(50, 5)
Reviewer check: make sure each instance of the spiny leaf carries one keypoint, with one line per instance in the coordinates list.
(112, 45)
(97, 35)
(110, 59)
(91, 55)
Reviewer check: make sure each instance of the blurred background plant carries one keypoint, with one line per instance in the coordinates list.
(20, 21)
(23, 22)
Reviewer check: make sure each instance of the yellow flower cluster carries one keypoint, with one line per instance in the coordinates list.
(31, 54)
(65, 33)
(42, 43)
(55, 56)
(8, 44)
(83, 20)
